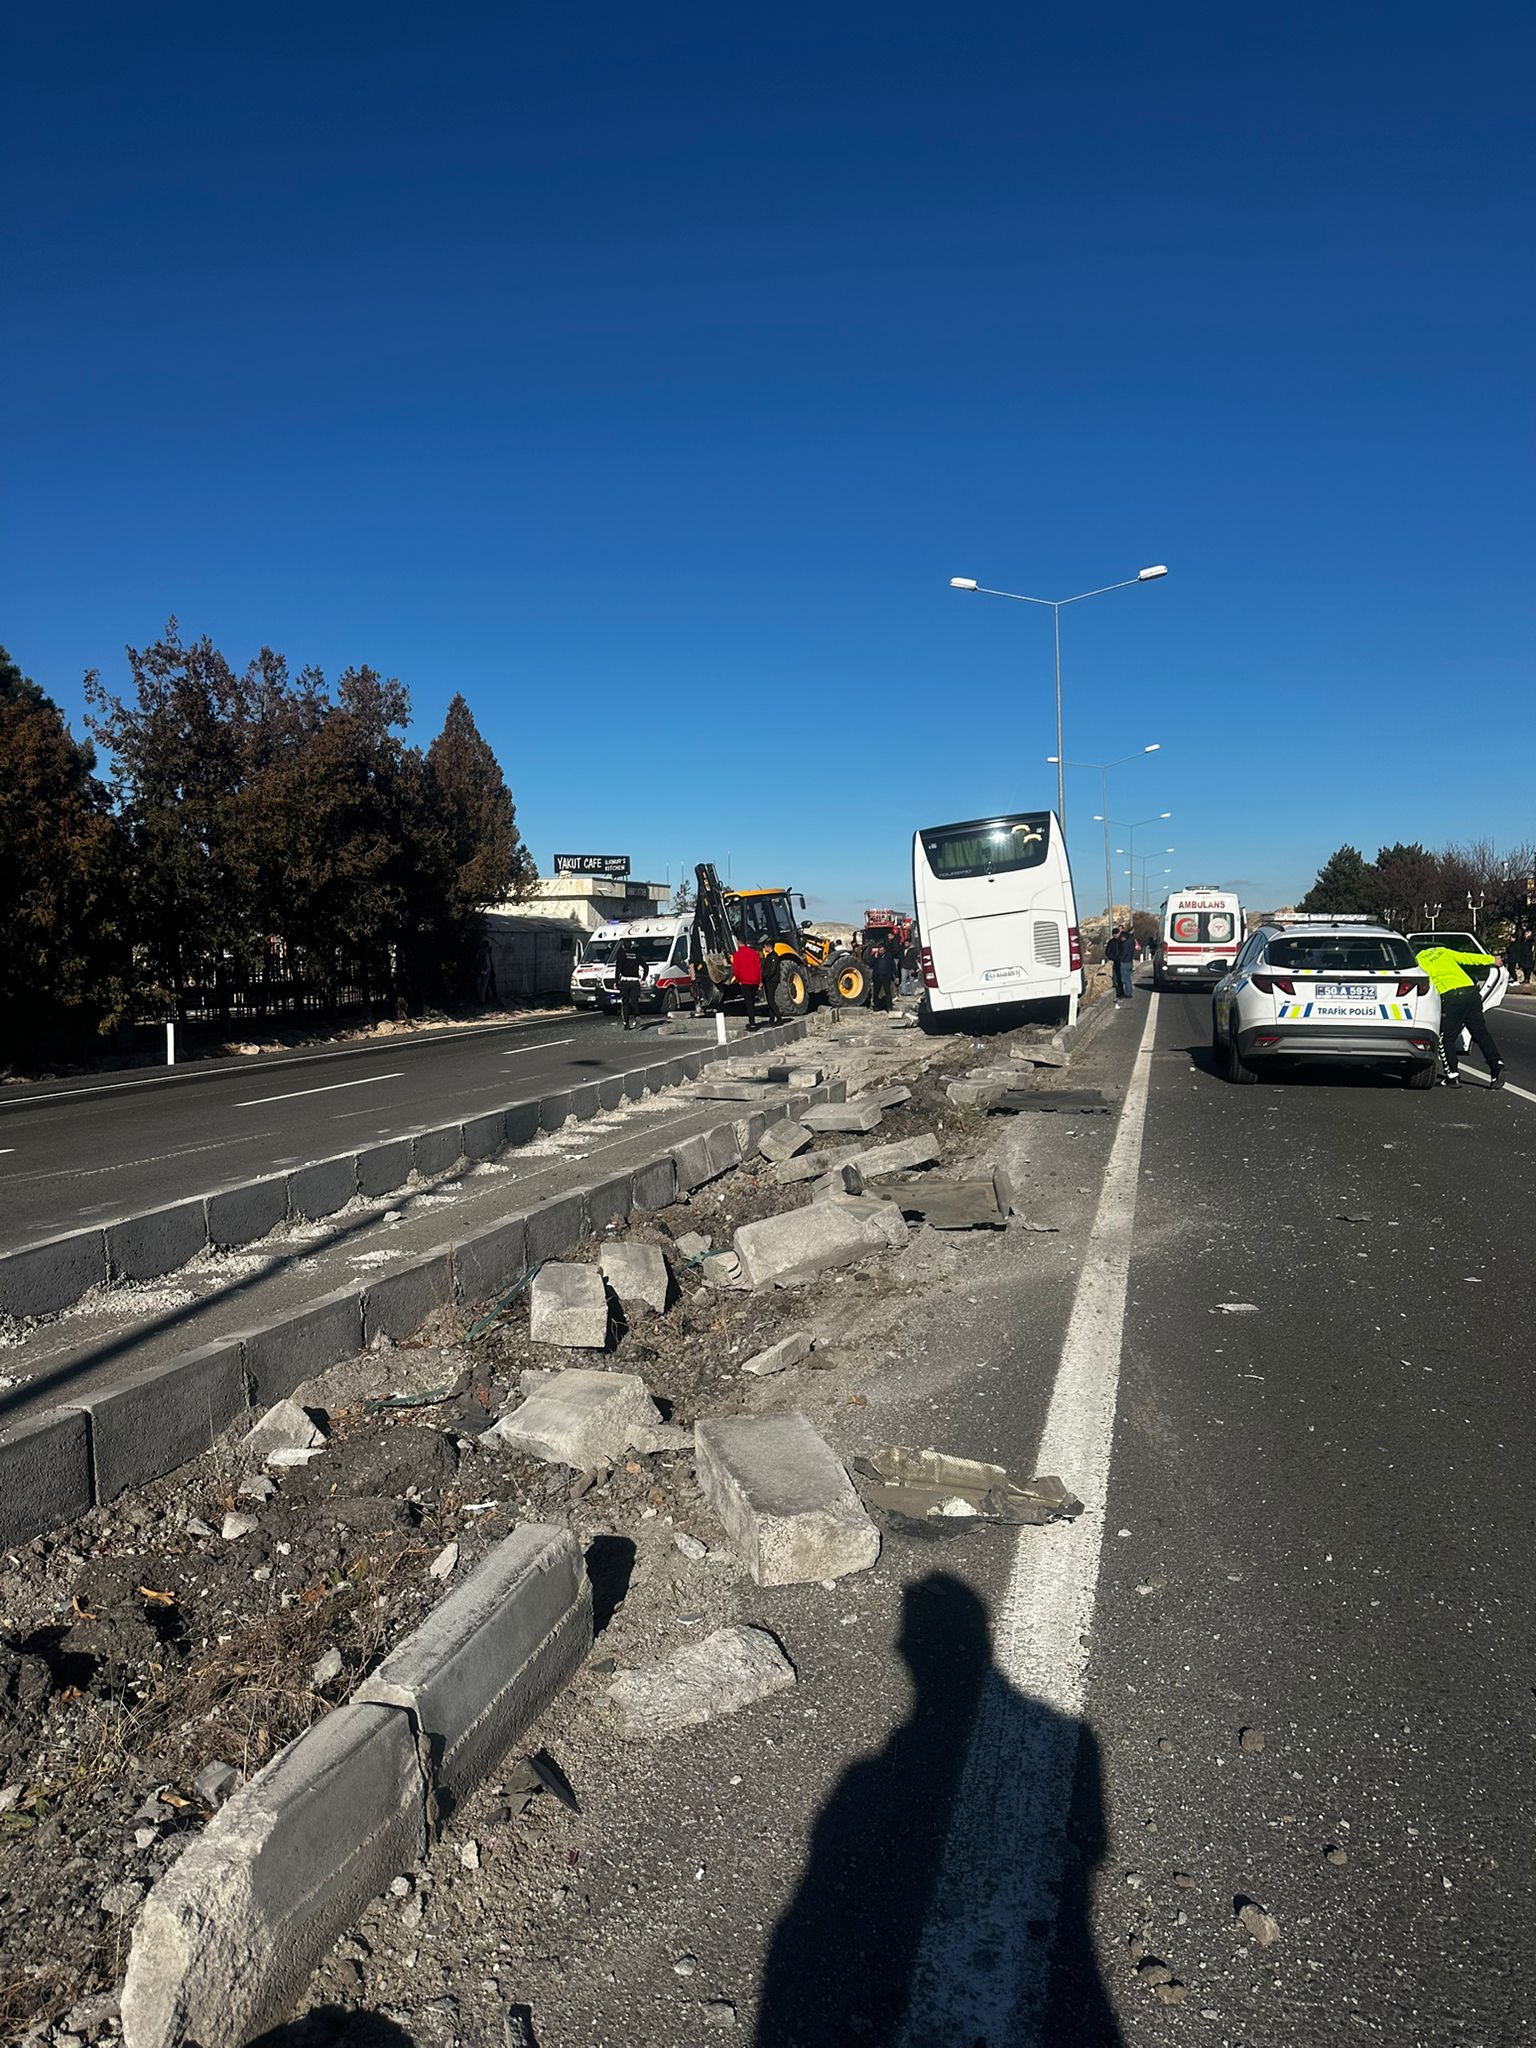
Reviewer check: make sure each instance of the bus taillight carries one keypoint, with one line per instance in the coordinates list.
(930, 979)
(1074, 949)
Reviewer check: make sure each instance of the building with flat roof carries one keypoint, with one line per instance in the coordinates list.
(588, 900)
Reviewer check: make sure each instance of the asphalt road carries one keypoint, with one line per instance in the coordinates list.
(82, 1153)
(1014, 1765)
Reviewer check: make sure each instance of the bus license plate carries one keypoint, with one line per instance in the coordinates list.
(1003, 974)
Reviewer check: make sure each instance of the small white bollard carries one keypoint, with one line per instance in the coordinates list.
(719, 1027)
(170, 1045)
(1072, 1009)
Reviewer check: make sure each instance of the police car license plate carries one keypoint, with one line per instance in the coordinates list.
(1347, 991)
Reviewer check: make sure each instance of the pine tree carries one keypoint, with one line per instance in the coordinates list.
(485, 859)
(62, 967)
(1344, 882)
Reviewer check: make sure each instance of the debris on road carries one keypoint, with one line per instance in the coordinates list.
(443, 1564)
(779, 1250)
(569, 1305)
(783, 1499)
(788, 1351)
(215, 1781)
(783, 1140)
(1236, 1308)
(1250, 1739)
(950, 1204)
(925, 1484)
(1260, 1926)
(729, 1670)
(843, 1116)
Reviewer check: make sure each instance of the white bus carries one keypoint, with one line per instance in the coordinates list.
(1199, 935)
(997, 920)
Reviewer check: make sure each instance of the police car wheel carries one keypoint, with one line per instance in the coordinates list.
(1421, 1076)
(1237, 1069)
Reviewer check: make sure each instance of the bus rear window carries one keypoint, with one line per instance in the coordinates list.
(990, 846)
(1202, 928)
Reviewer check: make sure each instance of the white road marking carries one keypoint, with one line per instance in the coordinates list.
(1510, 1087)
(981, 1976)
(516, 1051)
(330, 1087)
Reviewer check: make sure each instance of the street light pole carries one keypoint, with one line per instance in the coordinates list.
(1103, 768)
(1129, 828)
(1056, 605)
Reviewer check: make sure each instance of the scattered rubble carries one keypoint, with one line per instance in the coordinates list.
(285, 1427)
(729, 1670)
(637, 1273)
(784, 1139)
(788, 1351)
(924, 1484)
(1258, 1925)
(803, 1242)
(842, 1116)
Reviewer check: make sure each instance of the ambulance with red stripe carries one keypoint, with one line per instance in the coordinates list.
(1199, 935)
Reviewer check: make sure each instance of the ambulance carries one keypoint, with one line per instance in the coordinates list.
(662, 944)
(1199, 935)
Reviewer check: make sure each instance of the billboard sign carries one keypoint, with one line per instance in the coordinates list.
(612, 865)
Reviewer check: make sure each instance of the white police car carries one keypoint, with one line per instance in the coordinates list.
(1323, 988)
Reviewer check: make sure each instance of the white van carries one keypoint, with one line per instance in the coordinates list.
(997, 919)
(661, 942)
(1199, 935)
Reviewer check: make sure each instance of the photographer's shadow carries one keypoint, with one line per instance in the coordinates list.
(968, 1935)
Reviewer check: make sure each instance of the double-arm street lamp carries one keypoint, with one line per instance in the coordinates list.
(1056, 605)
(1130, 826)
(1104, 767)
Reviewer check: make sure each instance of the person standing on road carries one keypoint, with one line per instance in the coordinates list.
(1461, 1009)
(747, 967)
(912, 968)
(1121, 953)
(773, 968)
(882, 972)
(629, 974)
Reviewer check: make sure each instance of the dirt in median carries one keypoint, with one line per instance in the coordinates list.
(141, 1644)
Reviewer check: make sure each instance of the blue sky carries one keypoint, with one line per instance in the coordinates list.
(646, 373)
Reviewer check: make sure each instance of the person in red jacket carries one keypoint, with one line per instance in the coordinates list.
(747, 969)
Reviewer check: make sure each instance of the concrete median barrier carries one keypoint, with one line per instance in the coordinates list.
(322, 1189)
(228, 1937)
(149, 1425)
(42, 1278)
(145, 1247)
(397, 1304)
(280, 1353)
(45, 1474)
(383, 1168)
(491, 1261)
(242, 1214)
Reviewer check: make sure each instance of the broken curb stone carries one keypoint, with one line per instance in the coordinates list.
(581, 1419)
(783, 1140)
(569, 1305)
(214, 1782)
(952, 1204)
(729, 1670)
(788, 1351)
(637, 1273)
(783, 1499)
(901, 1155)
(842, 1116)
(804, 1242)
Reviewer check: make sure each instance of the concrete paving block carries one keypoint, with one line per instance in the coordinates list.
(638, 1275)
(435, 1152)
(46, 1277)
(788, 1351)
(875, 1210)
(610, 1091)
(784, 1140)
(654, 1185)
(397, 1303)
(322, 1189)
(228, 1937)
(484, 1136)
(291, 1348)
(556, 1226)
(383, 1168)
(803, 1242)
(889, 1097)
(807, 1166)
(490, 1657)
(783, 1499)
(554, 1109)
(693, 1167)
(730, 1669)
(45, 1473)
(969, 1094)
(578, 1418)
(523, 1121)
(841, 1116)
(144, 1427)
(489, 1262)
(608, 1201)
(724, 1148)
(569, 1305)
(144, 1247)
(903, 1155)
(584, 1101)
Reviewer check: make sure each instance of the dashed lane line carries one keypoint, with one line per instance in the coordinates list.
(329, 1088)
(982, 1971)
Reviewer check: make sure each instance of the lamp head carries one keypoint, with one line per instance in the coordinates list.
(1150, 575)
(1155, 748)
(962, 583)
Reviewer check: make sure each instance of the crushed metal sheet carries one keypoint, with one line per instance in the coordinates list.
(924, 1484)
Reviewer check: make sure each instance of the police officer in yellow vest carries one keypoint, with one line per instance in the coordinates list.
(1461, 1008)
